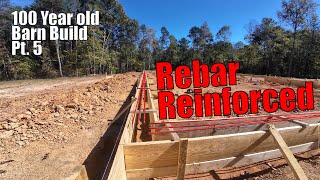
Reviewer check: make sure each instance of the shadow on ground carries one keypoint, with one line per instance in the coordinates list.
(99, 161)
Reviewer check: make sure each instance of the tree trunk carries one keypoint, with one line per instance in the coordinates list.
(293, 52)
(58, 58)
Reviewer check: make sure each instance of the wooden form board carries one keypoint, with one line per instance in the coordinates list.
(207, 166)
(118, 169)
(230, 130)
(156, 159)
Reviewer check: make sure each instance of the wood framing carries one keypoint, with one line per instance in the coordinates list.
(178, 154)
(163, 159)
(207, 166)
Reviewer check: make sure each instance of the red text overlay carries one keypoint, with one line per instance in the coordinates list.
(201, 104)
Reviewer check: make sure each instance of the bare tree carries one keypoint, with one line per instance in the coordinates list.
(58, 58)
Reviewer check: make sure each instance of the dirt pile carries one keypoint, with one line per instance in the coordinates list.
(59, 117)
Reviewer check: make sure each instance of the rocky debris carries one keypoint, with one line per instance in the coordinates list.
(7, 161)
(6, 134)
(46, 118)
(74, 116)
(28, 113)
(23, 116)
(56, 115)
(106, 88)
(14, 125)
(10, 126)
(83, 118)
(59, 109)
(45, 157)
(44, 103)
(72, 106)
(20, 143)
(32, 110)
(86, 94)
(10, 120)
(5, 127)
(41, 123)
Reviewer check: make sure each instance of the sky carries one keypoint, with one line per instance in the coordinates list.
(178, 16)
(21, 2)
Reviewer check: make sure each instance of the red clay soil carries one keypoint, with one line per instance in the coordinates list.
(49, 127)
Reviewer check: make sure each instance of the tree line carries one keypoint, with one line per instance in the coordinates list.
(289, 46)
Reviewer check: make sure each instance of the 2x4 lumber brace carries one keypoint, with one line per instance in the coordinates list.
(182, 159)
(292, 161)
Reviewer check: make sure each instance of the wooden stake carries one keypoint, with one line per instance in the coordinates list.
(292, 161)
(174, 135)
(182, 159)
(303, 124)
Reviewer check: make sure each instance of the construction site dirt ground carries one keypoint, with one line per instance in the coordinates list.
(49, 127)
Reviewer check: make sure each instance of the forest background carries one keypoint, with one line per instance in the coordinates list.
(288, 46)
